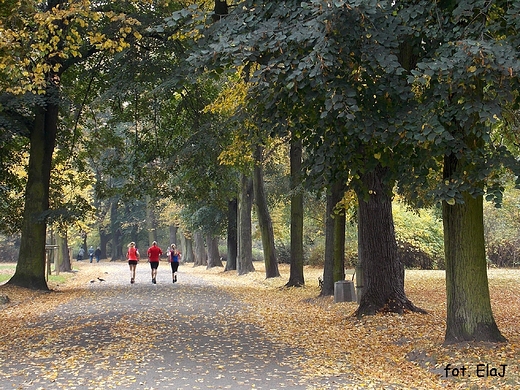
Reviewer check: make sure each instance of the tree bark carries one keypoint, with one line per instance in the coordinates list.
(383, 281)
(117, 248)
(104, 238)
(30, 268)
(173, 234)
(264, 218)
(214, 259)
(334, 267)
(245, 240)
(469, 314)
(188, 256)
(232, 244)
(296, 278)
(150, 220)
(200, 250)
(63, 253)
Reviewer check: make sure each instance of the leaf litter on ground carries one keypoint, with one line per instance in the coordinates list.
(386, 350)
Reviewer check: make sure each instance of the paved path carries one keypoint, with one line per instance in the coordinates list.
(146, 336)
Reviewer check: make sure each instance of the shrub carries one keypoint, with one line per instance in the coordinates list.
(413, 257)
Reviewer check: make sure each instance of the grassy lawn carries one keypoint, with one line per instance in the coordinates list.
(400, 351)
(7, 270)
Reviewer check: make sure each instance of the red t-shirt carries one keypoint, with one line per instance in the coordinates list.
(132, 253)
(153, 253)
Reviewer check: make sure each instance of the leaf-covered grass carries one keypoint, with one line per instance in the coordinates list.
(405, 351)
(383, 351)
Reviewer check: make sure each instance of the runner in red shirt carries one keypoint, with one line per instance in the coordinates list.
(154, 252)
(133, 257)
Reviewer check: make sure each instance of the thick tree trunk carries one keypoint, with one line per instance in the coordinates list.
(30, 268)
(188, 255)
(334, 267)
(264, 218)
(104, 238)
(200, 249)
(245, 240)
(469, 314)
(296, 278)
(383, 282)
(214, 259)
(63, 253)
(232, 244)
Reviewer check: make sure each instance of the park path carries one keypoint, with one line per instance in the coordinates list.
(149, 336)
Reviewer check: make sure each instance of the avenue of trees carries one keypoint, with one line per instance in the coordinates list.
(124, 116)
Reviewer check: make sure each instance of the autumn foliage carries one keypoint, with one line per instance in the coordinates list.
(375, 352)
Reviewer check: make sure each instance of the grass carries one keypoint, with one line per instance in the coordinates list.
(7, 271)
(385, 350)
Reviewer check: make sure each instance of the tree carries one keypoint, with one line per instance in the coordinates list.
(201, 257)
(245, 246)
(232, 235)
(466, 84)
(42, 45)
(336, 94)
(383, 274)
(296, 277)
(214, 259)
(334, 267)
(264, 218)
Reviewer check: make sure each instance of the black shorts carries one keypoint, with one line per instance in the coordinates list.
(175, 266)
(132, 262)
(154, 264)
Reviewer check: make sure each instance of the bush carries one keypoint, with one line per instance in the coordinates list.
(283, 253)
(503, 254)
(9, 247)
(413, 257)
(317, 255)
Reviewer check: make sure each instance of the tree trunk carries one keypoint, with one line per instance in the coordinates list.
(214, 259)
(296, 278)
(63, 253)
(383, 281)
(30, 268)
(173, 234)
(264, 218)
(232, 245)
(245, 240)
(117, 251)
(200, 250)
(150, 220)
(339, 246)
(188, 256)
(469, 314)
(104, 238)
(334, 268)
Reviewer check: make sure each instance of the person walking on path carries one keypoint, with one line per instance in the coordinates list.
(133, 257)
(81, 252)
(154, 253)
(91, 253)
(173, 257)
(97, 254)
